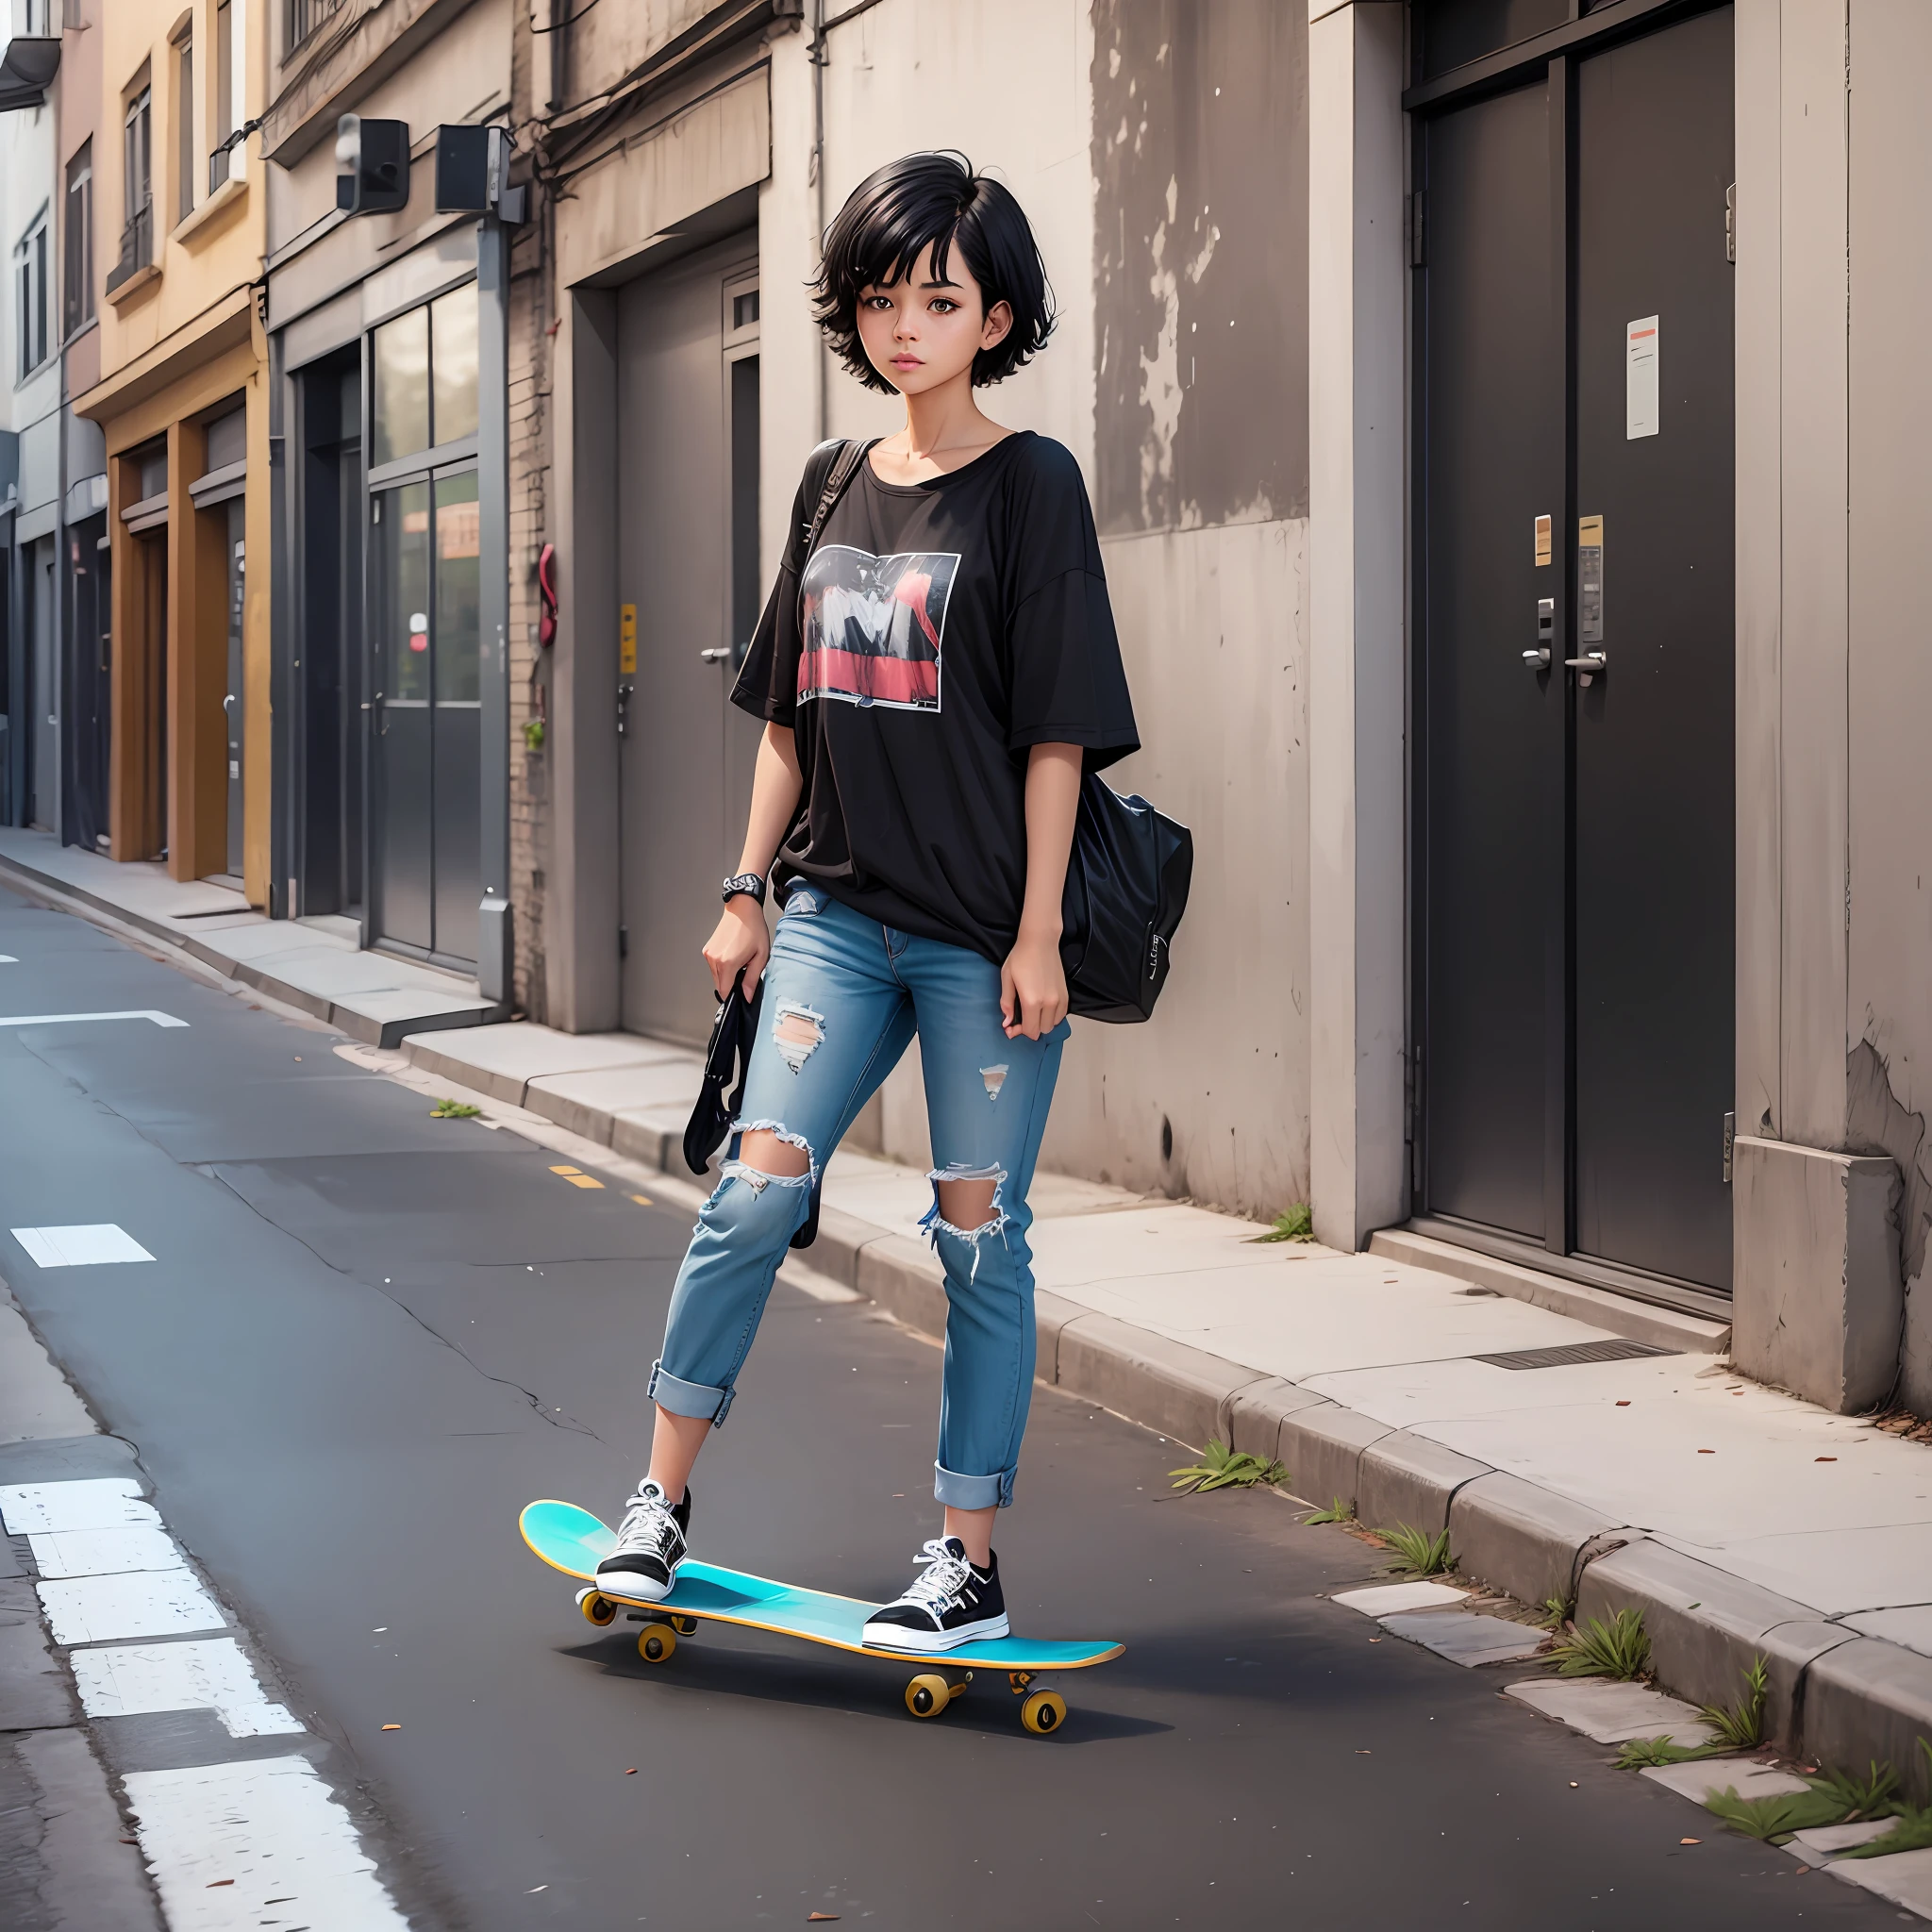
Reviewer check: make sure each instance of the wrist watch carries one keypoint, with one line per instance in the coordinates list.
(748, 883)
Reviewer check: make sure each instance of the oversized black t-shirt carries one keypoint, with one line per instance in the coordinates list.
(936, 632)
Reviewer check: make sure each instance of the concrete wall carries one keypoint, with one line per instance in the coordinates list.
(1888, 689)
(1834, 797)
(1171, 218)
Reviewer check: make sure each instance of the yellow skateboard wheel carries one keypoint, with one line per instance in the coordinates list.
(597, 1610)
(928, 1696)
(656, 1643)
(1044, 1711)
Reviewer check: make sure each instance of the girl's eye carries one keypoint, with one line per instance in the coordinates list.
(944, 305)
(878, 302)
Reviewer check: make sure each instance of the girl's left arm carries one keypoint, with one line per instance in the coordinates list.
(1033, 983)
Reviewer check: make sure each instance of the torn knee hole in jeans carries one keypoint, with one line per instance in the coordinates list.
(936, 1224)
(756, 1177)
(995, 1078)
(798, 1033)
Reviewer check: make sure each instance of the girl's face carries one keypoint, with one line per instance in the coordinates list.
(920, 332)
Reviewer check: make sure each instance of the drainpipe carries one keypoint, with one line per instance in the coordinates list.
(496, 946)
(815, 53)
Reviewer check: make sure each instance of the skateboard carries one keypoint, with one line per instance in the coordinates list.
(575, 1541)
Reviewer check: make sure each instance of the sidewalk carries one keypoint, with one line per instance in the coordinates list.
(1589, 1448)
(315, 965)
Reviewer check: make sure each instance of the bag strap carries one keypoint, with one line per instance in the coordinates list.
(844, 458)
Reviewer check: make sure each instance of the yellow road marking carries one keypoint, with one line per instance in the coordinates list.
(578, 1177)
(643, 1200)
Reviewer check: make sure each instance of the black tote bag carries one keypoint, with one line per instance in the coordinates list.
(1127, 880)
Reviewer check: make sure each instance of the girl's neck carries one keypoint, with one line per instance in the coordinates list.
(945, 418)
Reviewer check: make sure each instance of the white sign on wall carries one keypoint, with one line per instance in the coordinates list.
(1639, 377)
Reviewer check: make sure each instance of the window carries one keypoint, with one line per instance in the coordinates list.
(227, 109)
(305, 16)
(183, 125)
(77, 307)
(137, 158)
(425, 377)
(30, 285)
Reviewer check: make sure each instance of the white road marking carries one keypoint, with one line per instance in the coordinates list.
(104, 1552)
(208, 1675)
(223, 1840)
(72, 1019)
(87, 1503)
(9, 959)
(145, 1602)
(89, 1245)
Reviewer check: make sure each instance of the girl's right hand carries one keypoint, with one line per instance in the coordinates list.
(742, 940)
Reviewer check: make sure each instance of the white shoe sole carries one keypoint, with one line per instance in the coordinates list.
(931, 1642)
(634, 1583)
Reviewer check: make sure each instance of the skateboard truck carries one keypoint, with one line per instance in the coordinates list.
(1044, 1708)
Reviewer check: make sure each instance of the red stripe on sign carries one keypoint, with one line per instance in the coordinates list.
(851, 673)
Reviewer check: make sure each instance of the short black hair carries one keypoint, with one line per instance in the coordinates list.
(934, 200)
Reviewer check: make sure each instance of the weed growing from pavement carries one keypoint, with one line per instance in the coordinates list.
(1740, 1726)
(1223, 1468)
(1639, 1754)
(1555, 1613)
(1913, 1831)
(454, 1110)
(1416, 1552)
(1836, 1798)
(1296, 1223)
(1619, 1649)
(1338, 1511)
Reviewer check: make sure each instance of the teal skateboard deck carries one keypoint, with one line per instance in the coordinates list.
(575, 1541)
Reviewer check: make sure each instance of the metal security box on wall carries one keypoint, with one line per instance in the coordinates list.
(371, 165)
(473, 170)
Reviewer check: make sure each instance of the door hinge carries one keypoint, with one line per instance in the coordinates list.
(1730, 1143)
(623, 953)
(1731, 223)
(1416, 216)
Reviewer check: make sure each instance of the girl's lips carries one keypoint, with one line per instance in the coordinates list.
(907, 363)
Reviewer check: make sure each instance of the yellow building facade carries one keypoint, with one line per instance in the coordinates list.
(179, 223)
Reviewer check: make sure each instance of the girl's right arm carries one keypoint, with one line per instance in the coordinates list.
(742, 939)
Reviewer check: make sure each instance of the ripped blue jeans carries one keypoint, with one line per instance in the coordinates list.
(843, 995)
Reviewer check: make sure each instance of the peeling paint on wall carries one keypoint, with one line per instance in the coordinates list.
(1877, 1122)
(1201, 255)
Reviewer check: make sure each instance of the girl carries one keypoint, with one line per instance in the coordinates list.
(934, 675)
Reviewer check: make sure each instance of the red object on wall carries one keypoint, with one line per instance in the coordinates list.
(546, 589)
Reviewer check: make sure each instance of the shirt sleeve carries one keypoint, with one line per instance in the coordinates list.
(767, 683)
(1068, 686)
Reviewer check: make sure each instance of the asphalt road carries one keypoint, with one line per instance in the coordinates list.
(369, 1337)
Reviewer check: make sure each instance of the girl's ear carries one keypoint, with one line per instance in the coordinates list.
(999, 325)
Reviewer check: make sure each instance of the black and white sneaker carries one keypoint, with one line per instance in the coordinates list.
(952, 1603)
(650, 1545)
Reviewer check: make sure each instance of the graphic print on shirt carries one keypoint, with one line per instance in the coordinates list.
(873, 625)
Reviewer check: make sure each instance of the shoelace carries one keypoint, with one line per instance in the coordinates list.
(943, 1583)
(648, 1528)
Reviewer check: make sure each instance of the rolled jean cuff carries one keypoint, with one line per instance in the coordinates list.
(695, 1399)
(969, 1492)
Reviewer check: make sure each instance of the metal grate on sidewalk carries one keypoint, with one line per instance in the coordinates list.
(1576, 1351)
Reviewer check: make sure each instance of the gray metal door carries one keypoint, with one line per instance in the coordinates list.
(687, 527)
(45, 780)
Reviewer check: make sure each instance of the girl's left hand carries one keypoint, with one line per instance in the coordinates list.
(1033, 986)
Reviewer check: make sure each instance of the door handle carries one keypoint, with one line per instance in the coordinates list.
(1588, 666)
(717, 656)
(1545, 632)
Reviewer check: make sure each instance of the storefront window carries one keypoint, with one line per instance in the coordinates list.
(452, 336)
(426, 376)
(458, 584)
(402, 386)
